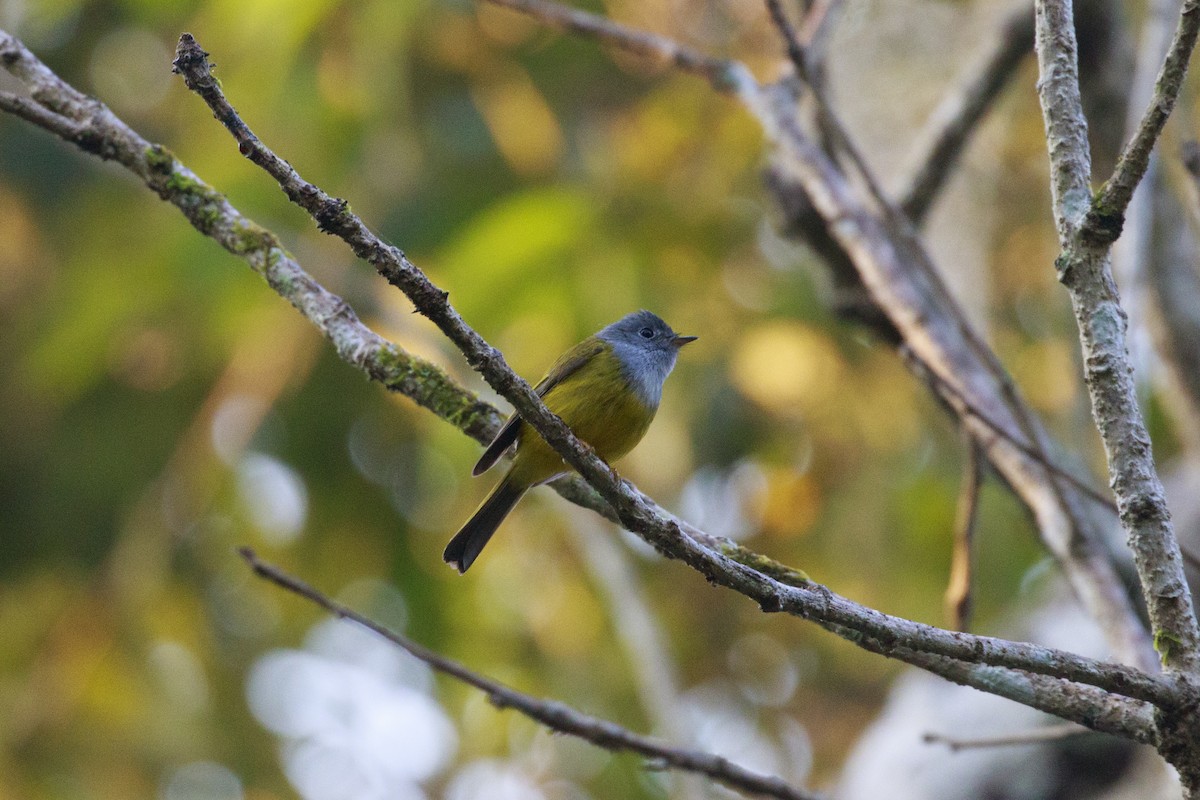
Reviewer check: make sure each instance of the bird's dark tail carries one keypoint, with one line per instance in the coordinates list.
(469, 541)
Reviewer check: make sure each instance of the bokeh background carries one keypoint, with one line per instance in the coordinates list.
(160, 406)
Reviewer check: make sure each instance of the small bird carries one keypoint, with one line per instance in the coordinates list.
(606, 388)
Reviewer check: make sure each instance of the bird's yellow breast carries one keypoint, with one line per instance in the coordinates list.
(598, 403)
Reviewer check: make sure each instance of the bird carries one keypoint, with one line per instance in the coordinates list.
(606, 389)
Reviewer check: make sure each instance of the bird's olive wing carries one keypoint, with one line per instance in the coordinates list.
(567, 364)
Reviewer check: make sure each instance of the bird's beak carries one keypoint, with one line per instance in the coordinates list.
(680, 341)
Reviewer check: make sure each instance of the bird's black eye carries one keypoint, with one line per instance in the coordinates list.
(646, 333)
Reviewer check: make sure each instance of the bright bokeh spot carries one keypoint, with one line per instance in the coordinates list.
(355, 713)
(274, 495)
(787, 367)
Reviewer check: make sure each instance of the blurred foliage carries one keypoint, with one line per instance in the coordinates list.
(161, 406)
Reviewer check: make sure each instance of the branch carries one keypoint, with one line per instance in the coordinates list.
(717, 71)
(1134, 253)
(1049, 733)
(59, 108)
(554, 715)
(894, 268)
(1095, 709)
(958, 598)
(1086, 232)
(791, 39)
(894, 635)
(1062, 110)
(1100, 710)
(959, 114)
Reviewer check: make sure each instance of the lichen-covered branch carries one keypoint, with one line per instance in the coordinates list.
(1086, 231)
(1093, 708)
(84, 121)
(555, 715)
(1062, 108)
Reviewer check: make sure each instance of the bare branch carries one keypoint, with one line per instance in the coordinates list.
(1094, 708)
(958, 590)
(1084, 267)
(1137, 247)
(964, 408)
(551, 713)
(716, 71)
(87, 123)
(28, 110)
(1049, 733)
(791, 39)
(959, 114)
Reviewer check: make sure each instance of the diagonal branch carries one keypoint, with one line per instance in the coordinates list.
(1093, 708)
(791, 39)
(958, 115)
(959, 600)
(1048, 733)
(557, 716)
(656, 48)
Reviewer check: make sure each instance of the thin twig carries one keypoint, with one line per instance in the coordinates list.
(958, 589)
(959, 114)
(791, 39)
(817, 21)
(652, 46)
(803, 599)
(1049, 733)
(553, 714)
(952, 394)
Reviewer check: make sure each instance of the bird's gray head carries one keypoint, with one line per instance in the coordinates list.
(646, 347)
